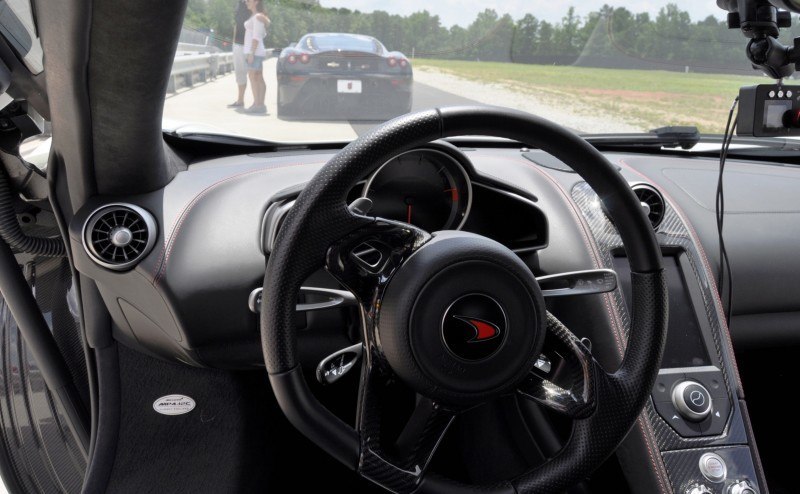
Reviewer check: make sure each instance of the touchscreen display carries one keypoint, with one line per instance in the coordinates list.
(773, 113)
(685, 347)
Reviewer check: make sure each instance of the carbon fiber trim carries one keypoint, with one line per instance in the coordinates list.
(684, 470)
(401, 476)
(619, 398)
(320, 217)
(577, 399)
(395, 242)
(36, 435)
(51, 279)
(673, 232)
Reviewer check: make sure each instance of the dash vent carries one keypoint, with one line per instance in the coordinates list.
(652, 201)
(118, 236)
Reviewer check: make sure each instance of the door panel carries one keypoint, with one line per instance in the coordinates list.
(38, 450)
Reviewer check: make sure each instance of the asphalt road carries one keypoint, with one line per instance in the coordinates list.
(424, 97)
(203, 108)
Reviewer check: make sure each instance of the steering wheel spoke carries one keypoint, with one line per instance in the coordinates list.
(365, 259)
(399, 464)
(457, 317)
(578, 283)
(565, 374)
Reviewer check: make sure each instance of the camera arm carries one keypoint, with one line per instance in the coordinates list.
(761, 21)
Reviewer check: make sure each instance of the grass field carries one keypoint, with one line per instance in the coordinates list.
(650, 98)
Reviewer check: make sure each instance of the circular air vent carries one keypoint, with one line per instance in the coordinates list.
(117, 236)
(652, 202)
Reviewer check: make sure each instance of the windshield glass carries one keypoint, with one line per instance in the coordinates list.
(340, 42)
(18, 28)
(262, 69)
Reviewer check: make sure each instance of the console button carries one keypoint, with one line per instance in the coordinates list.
(682, 426)
(711, 379)
(742, 487)
(713, 467)
(692, 400)
(665, 382)
(696, 398)
(715, 423)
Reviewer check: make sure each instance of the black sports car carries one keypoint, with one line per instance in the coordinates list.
(343, 76)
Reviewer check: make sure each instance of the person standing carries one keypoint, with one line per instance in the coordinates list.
(255, 53)
(239, 66)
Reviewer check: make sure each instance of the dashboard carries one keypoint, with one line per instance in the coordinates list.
(188, 293)
(210, 228)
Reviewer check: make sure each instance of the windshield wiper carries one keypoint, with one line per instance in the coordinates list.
(246, 144)
(221, 138)
(662, 137)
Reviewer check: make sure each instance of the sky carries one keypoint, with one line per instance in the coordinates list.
(463, 12)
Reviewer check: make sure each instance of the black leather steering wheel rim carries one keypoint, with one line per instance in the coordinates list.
(320, 217)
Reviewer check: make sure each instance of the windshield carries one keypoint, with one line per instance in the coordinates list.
(341, 42)
(316, 71)
(18, 28)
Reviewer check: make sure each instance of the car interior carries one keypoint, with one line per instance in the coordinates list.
(460, 298)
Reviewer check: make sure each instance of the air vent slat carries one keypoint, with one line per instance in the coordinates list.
(656, 206)
(118, 236)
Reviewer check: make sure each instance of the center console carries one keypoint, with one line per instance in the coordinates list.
(690, 394)
(696, 418)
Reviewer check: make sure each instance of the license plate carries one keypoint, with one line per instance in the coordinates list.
(350, 87)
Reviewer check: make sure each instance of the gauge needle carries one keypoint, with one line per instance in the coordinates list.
(453, 194)
(408, 211)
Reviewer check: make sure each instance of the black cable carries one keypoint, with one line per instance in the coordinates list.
(720, 213)
(11, 232)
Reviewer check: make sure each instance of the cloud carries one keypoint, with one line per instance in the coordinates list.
(463, 12)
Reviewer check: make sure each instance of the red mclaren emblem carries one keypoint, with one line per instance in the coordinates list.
(484, 330)
(474, 327)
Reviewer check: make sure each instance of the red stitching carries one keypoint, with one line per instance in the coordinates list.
(709, 274)
(169, 242)
(167, 239)
(644, 425)
(593, 253)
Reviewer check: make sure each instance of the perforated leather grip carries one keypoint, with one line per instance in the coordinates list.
(320, 217)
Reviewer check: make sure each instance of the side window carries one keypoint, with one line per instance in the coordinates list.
(18, 27)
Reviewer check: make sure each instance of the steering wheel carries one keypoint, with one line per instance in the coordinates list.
(457, 317)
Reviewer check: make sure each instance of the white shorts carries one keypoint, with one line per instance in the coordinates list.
(239, 64)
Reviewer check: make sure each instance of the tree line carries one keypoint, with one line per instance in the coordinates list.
(669, 37)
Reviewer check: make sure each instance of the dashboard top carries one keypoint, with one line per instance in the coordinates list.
(215, 211)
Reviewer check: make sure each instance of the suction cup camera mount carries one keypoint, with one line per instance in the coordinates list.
(761, 22)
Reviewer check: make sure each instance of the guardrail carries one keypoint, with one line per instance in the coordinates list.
(189, 69)
(189, 48)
